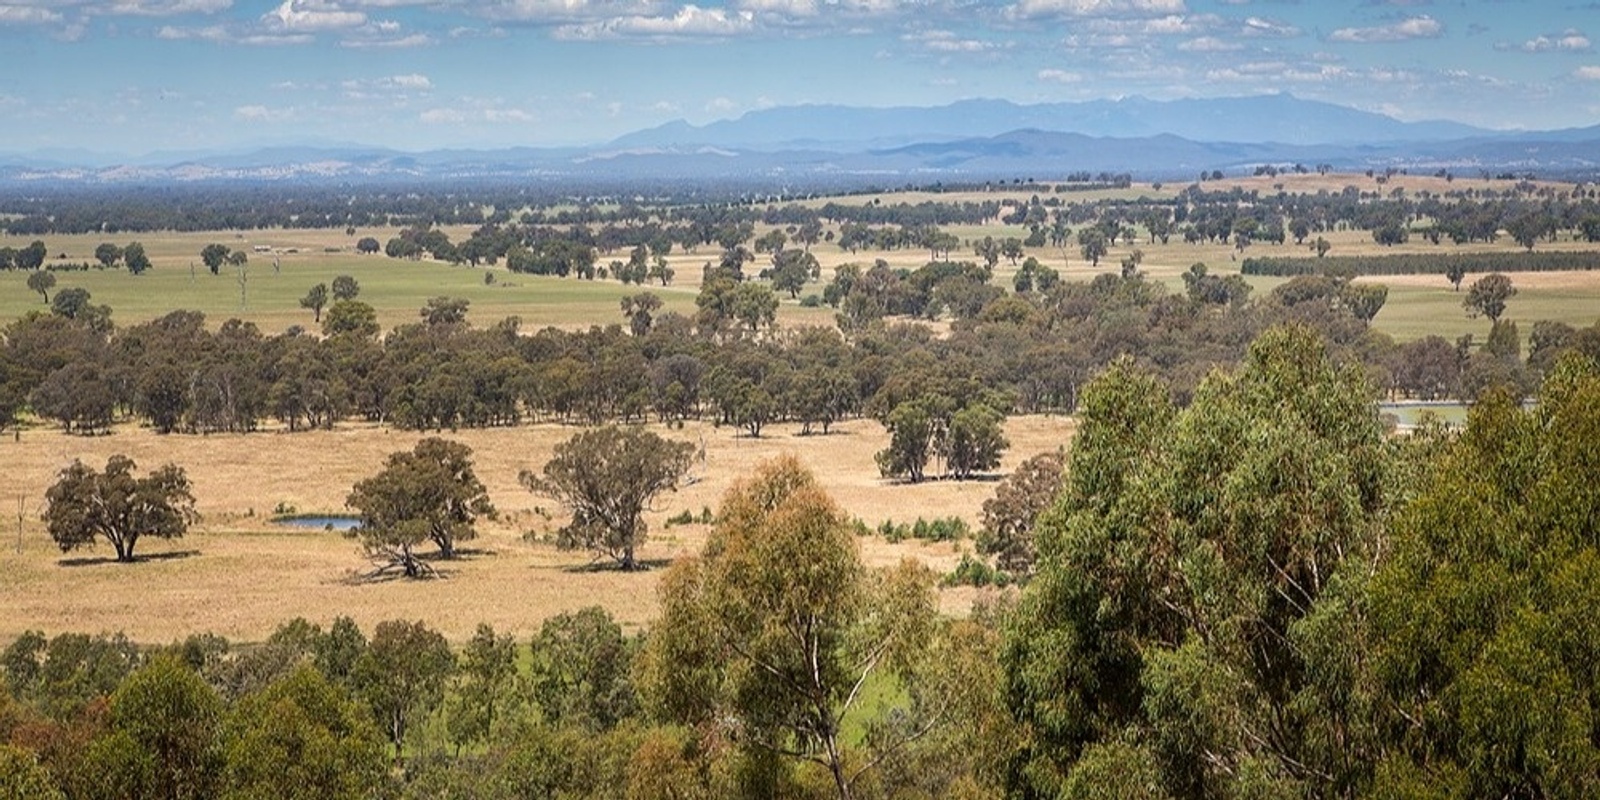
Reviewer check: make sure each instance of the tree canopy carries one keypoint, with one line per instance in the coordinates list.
(84, 505)
(428, 494)
(606, 478)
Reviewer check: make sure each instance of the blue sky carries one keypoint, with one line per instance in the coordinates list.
(136, 76)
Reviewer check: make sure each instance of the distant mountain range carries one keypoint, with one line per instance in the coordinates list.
(968, 140)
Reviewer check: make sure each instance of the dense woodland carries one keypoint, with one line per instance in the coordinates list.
(1260, 593)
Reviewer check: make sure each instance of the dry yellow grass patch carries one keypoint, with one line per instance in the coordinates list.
(239, 575)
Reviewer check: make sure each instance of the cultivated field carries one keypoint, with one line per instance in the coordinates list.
(239, 575)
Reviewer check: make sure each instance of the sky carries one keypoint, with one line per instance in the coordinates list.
(142, 76)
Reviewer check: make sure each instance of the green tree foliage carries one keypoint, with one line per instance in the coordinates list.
(581, 669)
(428, 494)
(1199, 581)
(1010, 515)
(302, 738)
(315, 300)
(84, 505)
(606, 478)
(134, 257)
(1487, 650)
(487, 688)
(169, 718)
(345, 288)
(1488, 295)
(108, 254)
(214, 256)
(42, 281)
(778, 626)
(402, 676)
(1093, 244)
(352, 318)
(22, 777)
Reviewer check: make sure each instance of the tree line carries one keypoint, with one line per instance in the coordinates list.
(1259, 593)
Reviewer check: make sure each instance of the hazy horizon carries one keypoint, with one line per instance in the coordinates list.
(141, 76)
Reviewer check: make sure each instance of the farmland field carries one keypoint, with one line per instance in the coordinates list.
(238, 574)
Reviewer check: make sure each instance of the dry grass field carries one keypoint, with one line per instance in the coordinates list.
(239, 574)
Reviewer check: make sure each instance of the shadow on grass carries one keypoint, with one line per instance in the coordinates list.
(640, 565)
(93, 560)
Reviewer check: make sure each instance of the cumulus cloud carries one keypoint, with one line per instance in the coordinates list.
(1209, 44)
(258, 113)
(166, 8)
(555, 11)
(1589, 73)
(1058, 76)
(1029, 9)
(1569, 41)
(691, 21)
(312, 16)
(1268, 27)
(948, 42)
(27, 15)
(1423, 27)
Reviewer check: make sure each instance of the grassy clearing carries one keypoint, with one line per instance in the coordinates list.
(239, 575)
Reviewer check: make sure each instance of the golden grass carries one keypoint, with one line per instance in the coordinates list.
(239, 575)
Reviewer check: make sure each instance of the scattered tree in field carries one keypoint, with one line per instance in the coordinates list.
(85, 505)
(1009, 516)
(1092, 243)
(778, 626)
(974, 442)
(1321, 246)
(315, 300)
(42, 281)
(368, 245)
(606, 477)
(1487, 297)
(213, 255)
(31, 257)
(345, 288)
(133, 256)
(108, 254)
(351, 317)
(427, 494)
(1455, 272)
(1364, 300)
(238, 258)
(402, 676)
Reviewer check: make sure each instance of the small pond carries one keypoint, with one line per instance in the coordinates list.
(336, 522)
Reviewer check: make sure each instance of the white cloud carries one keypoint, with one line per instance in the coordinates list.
(1058, 76)
(442, 116)
(1423, 27)
(721, 105)
(691, 21)
(553, 11)
(258, 113)
(1209, 44)
(413, 40)
(947, 42)
(311, 16)
(1589, 73)
(165, 8)
(1266, 26)
(1569, 41)
(1029, 9)
(26, 15)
